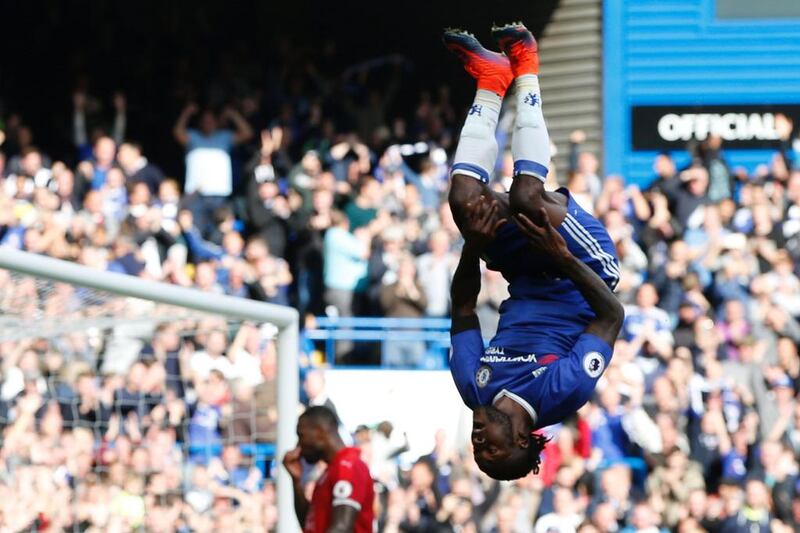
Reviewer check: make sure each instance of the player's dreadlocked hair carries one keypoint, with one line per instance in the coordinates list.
(520, 462)
(537, 442)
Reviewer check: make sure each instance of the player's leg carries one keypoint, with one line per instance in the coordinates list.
(530, 145)
(476, 153)
(586, 237)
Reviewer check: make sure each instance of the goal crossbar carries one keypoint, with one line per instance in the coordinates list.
(286, 319)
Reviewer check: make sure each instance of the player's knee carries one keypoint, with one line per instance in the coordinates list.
(463, 189)
(530, 118)
(526, 196)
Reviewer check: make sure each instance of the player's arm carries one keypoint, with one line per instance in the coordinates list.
(466, 282)
(291, 461)
(343, 519)
(609, 313)
(481, 225)
(350, 495)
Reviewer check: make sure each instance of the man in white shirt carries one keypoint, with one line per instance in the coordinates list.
(208, 159)
(435, 272)
(212, 358)
(564, 518)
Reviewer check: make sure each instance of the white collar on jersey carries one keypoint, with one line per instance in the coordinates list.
(525, 405)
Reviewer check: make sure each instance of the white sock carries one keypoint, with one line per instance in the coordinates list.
(530, 145)
(476, 153)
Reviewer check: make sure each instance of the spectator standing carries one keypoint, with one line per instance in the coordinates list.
(363, 209)
(137, 168)
(212, 358)
(691, 198)
(648, 329)
(720, 183)
(317, 394)
(84, 105)
(96, 170)
(346, 256)
(754, 516)
(267, 209)
(254, 413)
(205, 437)
(209, 173)
(564, 517)
(435, 269)
(404, 298)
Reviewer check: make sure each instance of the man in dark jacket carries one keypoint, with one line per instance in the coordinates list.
(267, 208)
(137, 168)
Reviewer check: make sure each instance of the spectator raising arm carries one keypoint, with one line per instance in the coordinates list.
(120, 118)
(641, 206)
(640, 428)
(79, 135)
(180, 130)
(201, 249)
(243, 131)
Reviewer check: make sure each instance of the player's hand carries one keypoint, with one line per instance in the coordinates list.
(544, 238)
(482, 222)
(292, 463)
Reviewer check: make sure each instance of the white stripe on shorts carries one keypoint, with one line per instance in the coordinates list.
(592, 247)
(588, 249)
(610, 261)
(591, 240)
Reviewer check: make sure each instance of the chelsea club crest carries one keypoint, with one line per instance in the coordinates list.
(483, 375)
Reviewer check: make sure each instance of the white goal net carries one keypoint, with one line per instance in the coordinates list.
(141, 408)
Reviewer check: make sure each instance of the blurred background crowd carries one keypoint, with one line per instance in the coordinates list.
(319, 191)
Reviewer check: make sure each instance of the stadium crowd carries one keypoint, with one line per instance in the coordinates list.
(695, 425)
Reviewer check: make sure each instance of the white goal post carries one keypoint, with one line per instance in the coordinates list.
(286, 319)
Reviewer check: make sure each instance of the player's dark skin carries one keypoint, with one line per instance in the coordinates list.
(526, 197)
(316, 442)
(482, 218)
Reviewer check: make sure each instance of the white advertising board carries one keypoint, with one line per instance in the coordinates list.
(417, 402)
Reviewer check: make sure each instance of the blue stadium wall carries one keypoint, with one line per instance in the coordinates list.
(680, 53)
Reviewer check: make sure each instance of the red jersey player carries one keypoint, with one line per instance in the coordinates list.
(343, 496)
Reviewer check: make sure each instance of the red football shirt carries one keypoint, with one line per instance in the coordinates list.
(345, 482)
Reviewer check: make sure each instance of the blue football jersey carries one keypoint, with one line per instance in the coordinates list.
(531, 274)
(541, 356)
(545, 313)
(550, 386)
